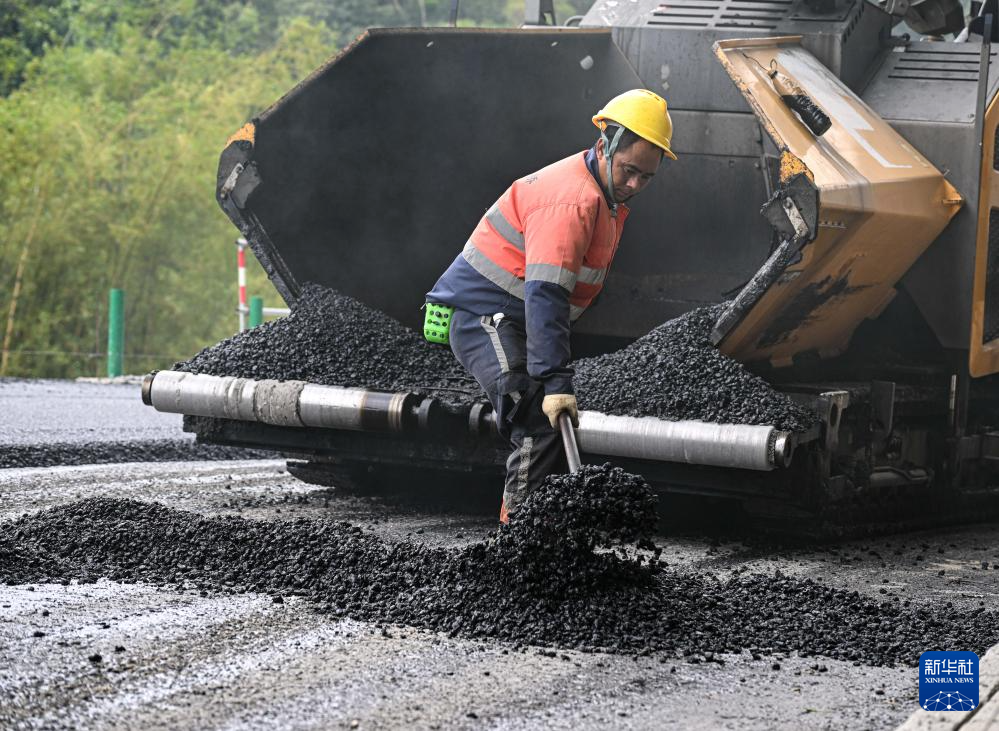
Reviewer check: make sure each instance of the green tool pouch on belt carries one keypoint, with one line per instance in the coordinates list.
(437, 323)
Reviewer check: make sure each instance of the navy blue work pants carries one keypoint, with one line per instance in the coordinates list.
(494, 350)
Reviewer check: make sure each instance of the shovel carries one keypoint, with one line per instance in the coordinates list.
(569, 441)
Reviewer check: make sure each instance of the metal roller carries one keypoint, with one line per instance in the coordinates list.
(695, 442)
(296, 403)
(282, 403)
(356, 409)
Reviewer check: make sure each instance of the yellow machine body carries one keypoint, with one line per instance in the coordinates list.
(881, 204)
(983, 354)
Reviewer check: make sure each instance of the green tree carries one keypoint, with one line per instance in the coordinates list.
(27, 28)
(107, 179)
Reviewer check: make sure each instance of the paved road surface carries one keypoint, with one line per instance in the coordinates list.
(244, 662)
(178, 659)
(47, 411)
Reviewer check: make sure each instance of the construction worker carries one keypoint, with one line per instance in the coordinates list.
(532, 265)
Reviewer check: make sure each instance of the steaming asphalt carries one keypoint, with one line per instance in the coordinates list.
(193, 661)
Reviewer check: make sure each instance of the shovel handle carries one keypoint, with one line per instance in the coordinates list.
(569, 441)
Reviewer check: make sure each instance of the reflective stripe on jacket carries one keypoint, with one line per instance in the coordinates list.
(539, 254)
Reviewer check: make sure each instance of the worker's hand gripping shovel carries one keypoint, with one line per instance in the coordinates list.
(560, 408)
(569, 441)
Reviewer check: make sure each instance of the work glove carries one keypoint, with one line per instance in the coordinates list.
(555, 403)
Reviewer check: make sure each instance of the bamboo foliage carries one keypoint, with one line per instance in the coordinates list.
(22, 263)
(107, 176)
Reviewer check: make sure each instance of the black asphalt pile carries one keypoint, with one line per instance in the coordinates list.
(535, 582)
(334, 340)
(153, 450)
(675, 373)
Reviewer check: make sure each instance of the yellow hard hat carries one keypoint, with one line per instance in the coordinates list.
(644, 113)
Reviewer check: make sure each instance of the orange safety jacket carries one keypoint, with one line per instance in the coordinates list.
(540, 254)
(552, 226)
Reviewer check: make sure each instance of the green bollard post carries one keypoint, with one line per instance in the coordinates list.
(256, 311)
(116, 332)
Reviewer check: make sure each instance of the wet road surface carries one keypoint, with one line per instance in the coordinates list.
(187, 660)
(52, 411)
(52, 422)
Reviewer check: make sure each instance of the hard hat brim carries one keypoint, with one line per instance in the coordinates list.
(601, 120)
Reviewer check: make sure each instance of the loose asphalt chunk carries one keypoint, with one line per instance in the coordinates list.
(675, 373)
(151, 450)
(334, 340)
(565, 573)
(672, 373)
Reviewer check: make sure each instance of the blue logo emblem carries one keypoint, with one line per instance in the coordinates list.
(948, 681)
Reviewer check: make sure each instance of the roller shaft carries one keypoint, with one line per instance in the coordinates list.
(740, 446)
(282, 403)
(296, 403)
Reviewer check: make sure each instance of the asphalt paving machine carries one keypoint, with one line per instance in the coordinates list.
(868, 289)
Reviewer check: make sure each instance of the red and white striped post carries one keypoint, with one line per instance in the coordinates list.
(243, 306)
